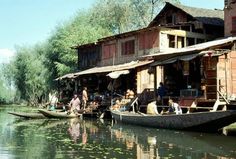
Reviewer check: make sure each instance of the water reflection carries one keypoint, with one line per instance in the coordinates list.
(75, 130)
(76, 138)
(154, 143)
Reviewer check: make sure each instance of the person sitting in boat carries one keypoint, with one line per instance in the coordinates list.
(74, 105)
(152, 108)
(129, 94)
(53, 100)
(116, 106)
(174, 107)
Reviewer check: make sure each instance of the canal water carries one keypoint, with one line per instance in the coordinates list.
(105, 139)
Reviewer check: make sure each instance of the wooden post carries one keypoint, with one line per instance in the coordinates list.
(155, 83)
(226, 78)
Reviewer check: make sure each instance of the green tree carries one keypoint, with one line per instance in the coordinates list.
(78, 31)
(126, 15)
(30, 74)
(6, 89)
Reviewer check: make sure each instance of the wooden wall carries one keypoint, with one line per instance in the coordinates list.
(145, 42)
(232, 73)
(229, 12)
(144, 79)
(88, 57)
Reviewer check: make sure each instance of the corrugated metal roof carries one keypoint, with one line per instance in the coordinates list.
(69, 75)
(196, 48)
(104, 69)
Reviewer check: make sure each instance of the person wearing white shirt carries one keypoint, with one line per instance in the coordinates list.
(174, 107)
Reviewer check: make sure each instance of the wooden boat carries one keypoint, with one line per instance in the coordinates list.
(29, 115)
(199, 121)
(57, 114)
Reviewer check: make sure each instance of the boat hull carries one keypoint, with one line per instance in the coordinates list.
(28, 115)
(55, 114)
(200, 121)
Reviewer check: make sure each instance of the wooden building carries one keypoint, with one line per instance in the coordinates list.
(202, 73)
(129, 47)
(230, 17)
(205, 72)
(200, 20)
(175, 27)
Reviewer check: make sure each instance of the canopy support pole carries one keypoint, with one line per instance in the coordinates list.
(155, 83)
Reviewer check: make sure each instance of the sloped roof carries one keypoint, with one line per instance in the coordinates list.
(207, 16)
(120, 67)
(198, 48)
(106, 69)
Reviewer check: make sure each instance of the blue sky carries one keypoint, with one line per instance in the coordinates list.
(27, 22)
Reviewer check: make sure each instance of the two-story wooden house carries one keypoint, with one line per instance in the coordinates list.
(205, 71)
(123, 51)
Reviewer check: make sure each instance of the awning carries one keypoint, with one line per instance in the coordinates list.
(112, 68)
(174, 59)
(69, 76)
(116, 70)
(116, 74)
(210, 45)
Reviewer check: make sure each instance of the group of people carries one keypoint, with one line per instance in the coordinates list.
(173, 107)
(75, 105)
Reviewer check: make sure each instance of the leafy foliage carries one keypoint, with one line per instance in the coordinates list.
(126, 15)
(29, 74)
(76, 32)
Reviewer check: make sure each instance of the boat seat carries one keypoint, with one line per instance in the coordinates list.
(192, 107)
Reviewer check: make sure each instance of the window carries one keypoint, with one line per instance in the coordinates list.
(127, 47)
(109, 50)
(190, 41)
(200, 41)
(174, 18)
(180, 42)
(226, 2)
(234, 24)
(171, 19)
(171, 41)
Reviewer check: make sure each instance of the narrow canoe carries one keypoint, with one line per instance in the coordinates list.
(56, 114)
(28, 115)
(199, 121)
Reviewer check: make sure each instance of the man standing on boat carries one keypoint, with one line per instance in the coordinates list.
(84, 97)
(161, 92)
(53, 100)
(74, 105)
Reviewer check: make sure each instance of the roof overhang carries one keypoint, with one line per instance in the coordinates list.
(66, 76)
(118, 69)
(116, 74)
(203, 48)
